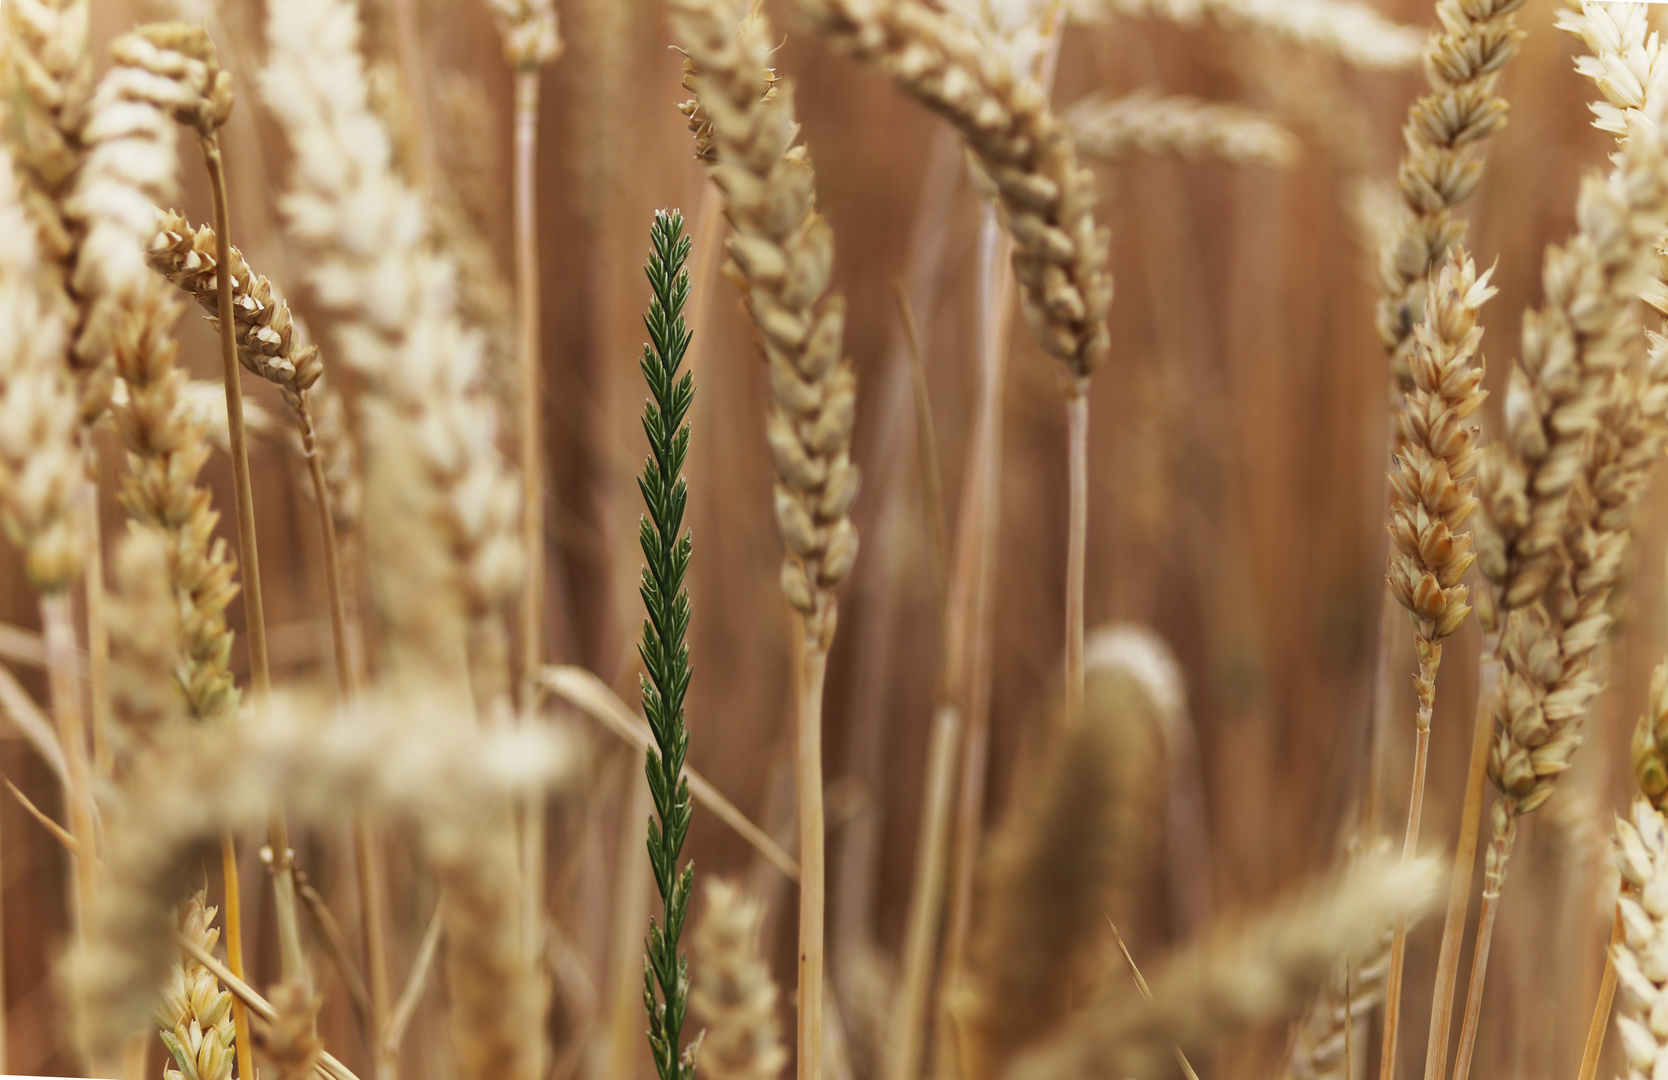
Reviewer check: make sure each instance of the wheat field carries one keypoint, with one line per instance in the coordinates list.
(868, 539)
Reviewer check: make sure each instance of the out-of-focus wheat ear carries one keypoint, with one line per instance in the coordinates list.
(1076, 833)
(733, 992)
(1234, 977)
(1441, 165)
(1146, 122)
(1351, 30)
(146, 638)
(442, 545)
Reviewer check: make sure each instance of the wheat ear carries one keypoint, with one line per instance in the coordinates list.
(1641, 852)
(1556, 493)
(195, 1013)
(733, 991)
(443, 538)
(1440, 166)
(1236, 976)
(1350, 30)
(415, 758)
(782, 254)
(1072, 840)
(1145, 122)
(1431, 497)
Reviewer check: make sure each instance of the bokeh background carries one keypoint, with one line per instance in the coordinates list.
(1236, 497)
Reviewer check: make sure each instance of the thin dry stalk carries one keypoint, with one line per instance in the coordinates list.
(1441, 167)
(1431, 498)
(733, 991)
(63, 669)
(926, 898)
(1602, 1005)
(1464, 870)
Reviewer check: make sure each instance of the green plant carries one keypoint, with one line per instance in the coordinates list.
(664, 652)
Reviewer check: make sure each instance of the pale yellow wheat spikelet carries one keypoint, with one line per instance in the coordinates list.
(1440, 166)
(444, 542)
(1146, 122)
(408, 757)
(1351, 30)
(1641, 852)
(1045, 196)
(733, 992)
(166, 451)
(782, 253)
(529, 29)
(195, 1013)
(1234, 977)
(40, 450)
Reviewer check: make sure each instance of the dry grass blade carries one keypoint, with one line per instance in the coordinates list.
(597, 700)
(59, 833)
(32, 722)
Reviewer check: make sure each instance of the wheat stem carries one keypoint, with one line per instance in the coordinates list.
(926, 897)
(1426, 688)
(1464, 868)
(367, 842)
(1499, 853)
(813, 660)
(293, 959)
(1601, 1007)
(527, 347)
(972, 585)
(1077, 539)
(98, 638)
(58, 622)
(234, 954)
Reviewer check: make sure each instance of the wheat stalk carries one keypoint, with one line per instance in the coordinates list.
(733, 991)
